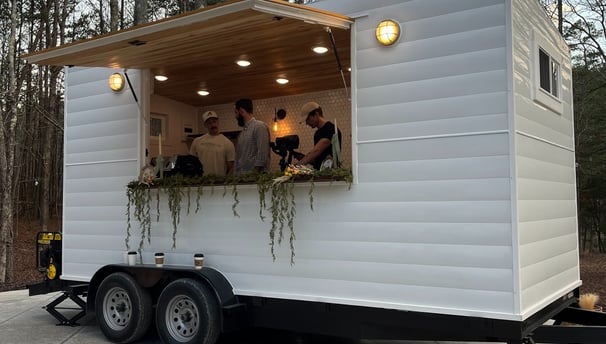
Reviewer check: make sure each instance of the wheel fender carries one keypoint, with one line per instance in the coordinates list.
(216, 280)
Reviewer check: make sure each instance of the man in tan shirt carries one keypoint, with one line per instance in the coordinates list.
(215, 151)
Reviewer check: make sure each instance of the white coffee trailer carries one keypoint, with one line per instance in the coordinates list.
(461, 221)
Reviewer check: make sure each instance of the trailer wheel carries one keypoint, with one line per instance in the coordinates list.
(188, 312)
(123, 308)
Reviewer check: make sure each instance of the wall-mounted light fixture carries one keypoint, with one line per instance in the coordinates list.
(116, 82)
(387, 32)
(279, 115)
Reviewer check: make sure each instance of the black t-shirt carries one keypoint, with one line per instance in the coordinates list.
(326, 132)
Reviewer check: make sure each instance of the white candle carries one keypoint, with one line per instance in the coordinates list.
(159, 144)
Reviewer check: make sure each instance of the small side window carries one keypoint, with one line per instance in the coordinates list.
(547, 76)
(549, 71)
(158, 125)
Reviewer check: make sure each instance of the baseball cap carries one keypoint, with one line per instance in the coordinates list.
(307, 108)
(209, 114)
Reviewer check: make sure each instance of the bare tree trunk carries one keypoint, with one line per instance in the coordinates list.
(121, 14)
(7, 157)
(114, 17)
(47, 147)
(101, 18)
(560, 18)
(140, 12)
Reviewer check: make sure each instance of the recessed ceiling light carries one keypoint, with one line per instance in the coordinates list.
(161, 77)
(282, 81)
(319, 50)
(203, 93)
(243, 63)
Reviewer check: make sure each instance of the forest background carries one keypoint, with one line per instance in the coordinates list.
(31, 103)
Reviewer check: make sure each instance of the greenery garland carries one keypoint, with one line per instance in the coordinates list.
(282, 206)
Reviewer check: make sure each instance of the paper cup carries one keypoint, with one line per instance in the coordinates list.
(159, 258)
(198, 260)
(132, 258)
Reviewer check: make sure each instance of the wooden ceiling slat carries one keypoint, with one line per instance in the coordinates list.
(204, 53)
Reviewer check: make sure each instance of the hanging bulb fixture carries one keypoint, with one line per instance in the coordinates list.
(275, 127)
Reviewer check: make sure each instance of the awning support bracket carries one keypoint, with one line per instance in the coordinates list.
(334, 49)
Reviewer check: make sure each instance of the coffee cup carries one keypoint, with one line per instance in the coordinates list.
(198, 260)
(159, 258)
(132, 258)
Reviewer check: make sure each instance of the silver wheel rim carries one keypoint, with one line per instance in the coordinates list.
(182, 318)
(117, 308)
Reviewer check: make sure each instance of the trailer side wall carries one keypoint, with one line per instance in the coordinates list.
(545, 162)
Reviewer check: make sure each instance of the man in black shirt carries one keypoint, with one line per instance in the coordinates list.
(311, 114)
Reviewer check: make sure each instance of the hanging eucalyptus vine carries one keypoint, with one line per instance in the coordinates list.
(282, 206)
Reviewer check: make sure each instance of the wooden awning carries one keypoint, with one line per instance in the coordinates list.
(198, 50)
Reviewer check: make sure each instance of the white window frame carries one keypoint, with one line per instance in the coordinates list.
(163, 118)
(540, 95)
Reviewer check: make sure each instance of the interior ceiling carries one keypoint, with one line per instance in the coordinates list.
(202, 55)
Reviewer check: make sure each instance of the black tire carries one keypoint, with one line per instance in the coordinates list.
(188, 312)
(123, 309)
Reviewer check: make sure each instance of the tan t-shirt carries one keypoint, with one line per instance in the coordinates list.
(213, 152)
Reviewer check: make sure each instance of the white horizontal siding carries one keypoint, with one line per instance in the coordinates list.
(531, 117)
(98, 213)
(443, 190)
(99, 230)
(101, 157)
(546, 188)
(113, 129)
(348, 240)
(93, 172)
(91, 116)
(432, 128)
(102, 100)
(472, 106)
(437, 169)
(538, 151)
(414, 9)
(418, 298)
(476, 234)
(435, 67)
(104, 236)
(91, 184)
(542, 171)
(496, 280)
(101, 125)
(535, 231)
(453, 86)
(118, 148)
(434, 148)
(432, 167)
(101, 199)
(542, 122)
(427, 19)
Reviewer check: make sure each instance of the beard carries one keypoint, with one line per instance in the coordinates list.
(240, 120)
